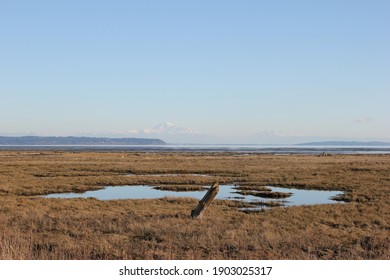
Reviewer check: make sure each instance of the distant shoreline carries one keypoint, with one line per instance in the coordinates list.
(72, 140)
(239, 149)
(346, 143)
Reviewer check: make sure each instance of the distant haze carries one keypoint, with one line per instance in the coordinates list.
(175, 134)
(261, 72)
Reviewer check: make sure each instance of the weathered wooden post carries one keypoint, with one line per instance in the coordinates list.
(205, 201)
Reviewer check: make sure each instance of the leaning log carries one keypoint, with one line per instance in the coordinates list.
(205, 201)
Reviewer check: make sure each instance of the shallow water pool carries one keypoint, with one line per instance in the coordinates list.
(226, 192)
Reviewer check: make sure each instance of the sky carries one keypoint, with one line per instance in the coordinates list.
(232, 71)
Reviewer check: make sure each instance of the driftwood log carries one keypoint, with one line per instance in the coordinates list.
(205, 201)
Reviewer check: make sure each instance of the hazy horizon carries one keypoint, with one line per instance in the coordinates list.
(179, 136)
(248, 72)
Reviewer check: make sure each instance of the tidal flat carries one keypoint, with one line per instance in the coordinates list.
(35, 227)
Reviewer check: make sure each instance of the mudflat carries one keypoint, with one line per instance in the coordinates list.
(33, 227)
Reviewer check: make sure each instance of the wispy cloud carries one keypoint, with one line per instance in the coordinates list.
(363, 120)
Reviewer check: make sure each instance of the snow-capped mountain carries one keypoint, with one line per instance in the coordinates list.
(169, 128)
(272, 133)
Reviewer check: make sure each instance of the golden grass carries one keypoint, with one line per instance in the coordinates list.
(39, 228)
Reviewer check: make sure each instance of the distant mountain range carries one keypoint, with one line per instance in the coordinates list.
(83, 140)
(70, 140)
(170, 132)
(345, 143)
(169, 128)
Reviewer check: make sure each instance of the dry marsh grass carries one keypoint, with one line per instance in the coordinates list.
(39, 228)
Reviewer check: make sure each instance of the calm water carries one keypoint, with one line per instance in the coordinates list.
(226, 192)
(269, 149)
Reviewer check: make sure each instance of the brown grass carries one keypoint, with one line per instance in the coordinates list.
(39, 228)
(267, 194)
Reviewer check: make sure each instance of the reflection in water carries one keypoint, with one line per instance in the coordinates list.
(226, 192)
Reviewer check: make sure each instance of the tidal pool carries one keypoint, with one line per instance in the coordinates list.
(226, 192)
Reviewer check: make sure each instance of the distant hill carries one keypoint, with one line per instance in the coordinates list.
(345, 143)
(70, 140)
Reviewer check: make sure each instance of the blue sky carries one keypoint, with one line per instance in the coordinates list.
(224, 68)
